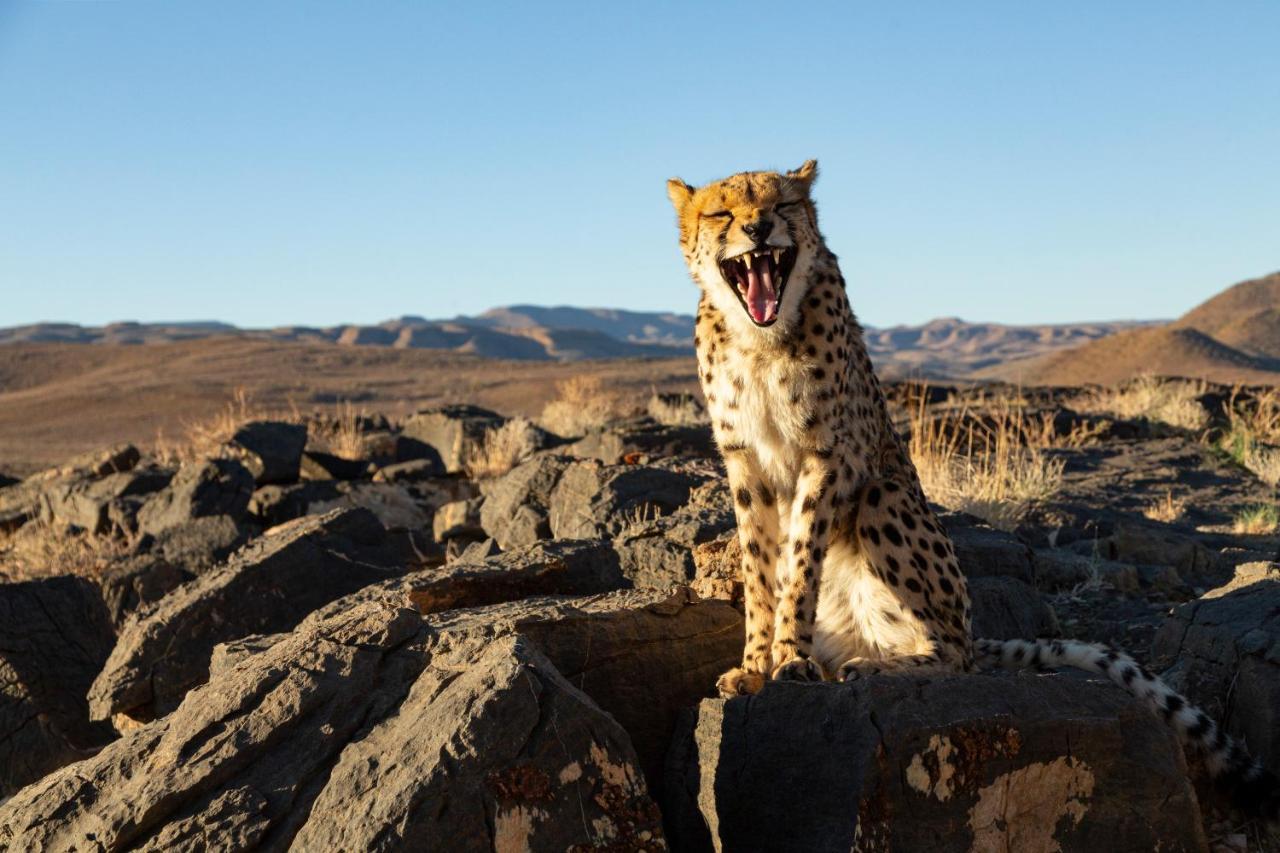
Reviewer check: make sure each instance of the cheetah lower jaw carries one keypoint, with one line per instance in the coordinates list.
(758, 278)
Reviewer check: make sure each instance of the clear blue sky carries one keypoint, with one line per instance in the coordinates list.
(321, 162)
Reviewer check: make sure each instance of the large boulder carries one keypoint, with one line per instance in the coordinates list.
(517, 506)
(23, 501)
(659, 552)
(376, 729)
(271, 450)
(100, 505)
(201, 488)
(394, 505)
(1222, 652)
(1005, 608)
(592, 499)
(455, 432)
(55, 634)
(984, 551)
(961, 763)
(163, 651)
(276, 504)
(643, 439)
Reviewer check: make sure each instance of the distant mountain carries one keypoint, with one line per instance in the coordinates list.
(945, 348)
(1231, 337)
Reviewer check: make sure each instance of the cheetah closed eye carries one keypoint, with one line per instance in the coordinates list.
(847, 571)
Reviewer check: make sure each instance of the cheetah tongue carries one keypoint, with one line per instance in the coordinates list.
(762, 298)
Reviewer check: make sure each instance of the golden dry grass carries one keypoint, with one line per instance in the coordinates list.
(1167, 510)
(1171, 402)
(581, 403)
(993, 467)
(1260, 520)
(339, 435)
(502, 449)
(39, 549)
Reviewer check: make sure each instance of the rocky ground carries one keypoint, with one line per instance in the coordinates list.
(415, 645)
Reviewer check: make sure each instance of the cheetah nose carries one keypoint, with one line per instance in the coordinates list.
(758, 230)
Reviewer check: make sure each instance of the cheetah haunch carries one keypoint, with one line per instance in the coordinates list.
(847, 571)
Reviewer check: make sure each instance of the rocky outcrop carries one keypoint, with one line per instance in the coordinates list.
(270, 450)
(455, 432)
(495, 728)
(54, 637)
(984, 551)
(202, 488)
(1005, 608)
(1032, 764)
(163, 651)
(643, 439)
(1223, 652)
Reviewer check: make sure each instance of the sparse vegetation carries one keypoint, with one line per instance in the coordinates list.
(1259, 520)
(993, 467)
(1171, 402)
(502, 449)
(581, 403)
(1252, 437)
(340, 435)
(39, 549)
(203, 438)
(1167, 510)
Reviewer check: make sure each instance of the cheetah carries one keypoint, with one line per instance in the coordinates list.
(847, 572)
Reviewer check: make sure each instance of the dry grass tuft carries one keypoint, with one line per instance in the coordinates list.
(1259, 520)
(502, 449)
(1252, 438)
(341, 435)
(992, 467)
(1168, 510)
(39, 549)
(204, 439)
(1171, 402)
(581, 403)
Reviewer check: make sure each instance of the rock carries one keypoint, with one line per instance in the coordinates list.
(6, 481)
(454, 431)
(375, 729)
(21, 502)
(413, 471)
(86, 503)
(516, 508)
(1157, 545)
(659, 552)
(1222, 652)
(592, 499)
(984, 551)
(1005, 608)
(317, 465)
(458, 520)
(718, 568)
(479, 551)
(678, 409)
(202, 488)
(271, 450)
(273, 505)
(270, 586)
(203, 542)
(394, 505)
(1057, 569)
(99, 463)
(55, 634)
(969, 762)
(390, 448)
(643, 439)
(136, 581)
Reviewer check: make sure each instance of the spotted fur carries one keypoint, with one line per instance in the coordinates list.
(846, 569)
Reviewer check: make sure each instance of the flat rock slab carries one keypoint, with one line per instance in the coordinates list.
(961, 763)
(269, 586)
(55, 634)
(1224, 650)
(380, 729)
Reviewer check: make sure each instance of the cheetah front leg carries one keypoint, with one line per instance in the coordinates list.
(924, 629)
(800, 572)
(756, 509)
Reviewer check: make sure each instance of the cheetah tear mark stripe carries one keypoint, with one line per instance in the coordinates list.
(1253, 788)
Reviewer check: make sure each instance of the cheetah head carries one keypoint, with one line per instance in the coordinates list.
(743, 237)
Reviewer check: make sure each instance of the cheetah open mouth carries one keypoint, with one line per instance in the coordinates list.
(758, 277)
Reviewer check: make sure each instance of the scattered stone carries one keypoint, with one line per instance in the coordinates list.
(458, 520)
(137, 581)
(87, 503)
(592, 499)
(454, 431)
(984, 551)
(516, 509)
(163, 651)
(316, 465)
(394, 505)
(1223, 652)
(660, 552)
(273, 505)
(201, 488)
(1061, 569)
(270, 450)
(413, 471)
(645, 439)
(970, 762)
(55, 634)
(202, 543)
(1005, 608)
(479, 551)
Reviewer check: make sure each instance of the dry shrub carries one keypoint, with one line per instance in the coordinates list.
(1168, 510)
(993, 467)
(341, 435)
(1171, 402)
(1259, 520)
(1252, 437)
(502, 449)
(39, 549)
(204, 438)
(581, 403)
(677, 409)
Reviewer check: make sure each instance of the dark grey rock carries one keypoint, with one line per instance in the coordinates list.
(517, 506)
(659, 552)
(413, 471)
(88, 503)
(55, 634)
(1223, 652)
(458, 520)
(273, 505)
(271, 450)
(971, 762)
(201, 488)
(643, 439)
(201, 543)
(984, 551)
(317, 465)
(395, 506)
(1005, 608)
(453, 431)
(163, 651)
(592, 500)
(136, 581)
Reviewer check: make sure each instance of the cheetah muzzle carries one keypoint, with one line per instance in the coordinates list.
(758, 278)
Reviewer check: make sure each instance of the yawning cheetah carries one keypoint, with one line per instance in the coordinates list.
(847, 571)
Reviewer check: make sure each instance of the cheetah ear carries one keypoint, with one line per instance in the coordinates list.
(680, 194)
(806, 174)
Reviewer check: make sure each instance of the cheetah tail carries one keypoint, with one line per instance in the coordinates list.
(1253, 789)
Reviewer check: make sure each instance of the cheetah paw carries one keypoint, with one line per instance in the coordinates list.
(856, 668)
(799, 669)
(739, 682)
